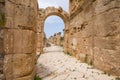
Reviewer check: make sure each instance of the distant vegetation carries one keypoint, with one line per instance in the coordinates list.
(37, 78)
(2, 19)
(68, 53)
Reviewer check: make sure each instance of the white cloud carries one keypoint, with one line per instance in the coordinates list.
(56, 3)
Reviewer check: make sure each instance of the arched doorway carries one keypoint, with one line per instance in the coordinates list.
(53, 28)
(43, 14)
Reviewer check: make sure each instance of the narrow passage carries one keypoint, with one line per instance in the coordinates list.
(55, 65)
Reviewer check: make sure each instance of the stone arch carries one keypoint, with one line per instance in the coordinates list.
(44, 13)
(54, 11)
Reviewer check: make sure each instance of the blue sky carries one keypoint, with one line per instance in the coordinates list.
(56, 3)
(54, 24)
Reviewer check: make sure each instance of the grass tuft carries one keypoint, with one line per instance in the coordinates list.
(68, 53)
(37, 78)
(2, 19)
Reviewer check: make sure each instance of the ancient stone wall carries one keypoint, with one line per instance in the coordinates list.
(94, 33)
(2, 25)
(20, 39)
(66, 38)
(1, 54)
(56, 39)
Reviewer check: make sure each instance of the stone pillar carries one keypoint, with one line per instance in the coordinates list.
(55, 40)
(59, 39)
(20, 39)
(65, 43)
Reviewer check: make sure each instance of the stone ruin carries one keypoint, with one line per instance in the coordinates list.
(19, 34)
(56, 39)
(94, 33)
(91, 35)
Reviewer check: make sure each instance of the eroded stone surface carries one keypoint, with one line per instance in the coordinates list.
(2, 24)
(91, 34)
(20, 39)
(94, 33)
(56, 39)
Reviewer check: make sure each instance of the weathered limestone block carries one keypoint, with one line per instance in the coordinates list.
(109, 59)
(106, 5)
(29, 77)
(98, 33)
(10, 10)
(84, 49)
(24, 64)
(75, 6)
(8, 67)
(110, 27)
(73, 46)
(107, 39)
(19, 41)
(21, 14)
(18, 65)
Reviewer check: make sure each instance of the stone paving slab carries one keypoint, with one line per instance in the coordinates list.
(55, 65)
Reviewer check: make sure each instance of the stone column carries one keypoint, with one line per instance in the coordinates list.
(55, 39)
(20, 39)
(59, 39)
(66, 36)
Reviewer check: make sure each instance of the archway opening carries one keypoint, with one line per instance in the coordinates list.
(53, 24)
(53, 29)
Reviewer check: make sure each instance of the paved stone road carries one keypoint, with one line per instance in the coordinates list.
(55, 65)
